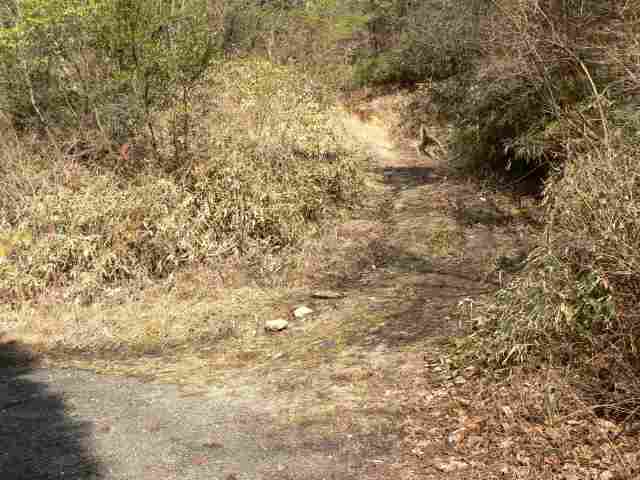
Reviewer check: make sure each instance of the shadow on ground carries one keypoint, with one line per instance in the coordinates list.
(423, 297)
(38, 441)
(407, 177)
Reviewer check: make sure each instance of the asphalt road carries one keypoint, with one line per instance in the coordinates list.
(75, 424)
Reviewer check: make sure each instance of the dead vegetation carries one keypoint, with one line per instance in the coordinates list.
(97, 258)
(535, 102)
(268, 168)
(573, 303)
(524, 425)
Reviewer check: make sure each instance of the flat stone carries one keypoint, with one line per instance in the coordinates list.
(302, 312)
(276, 325)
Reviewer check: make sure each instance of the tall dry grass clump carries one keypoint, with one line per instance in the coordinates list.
(265, 166)
(577, 301)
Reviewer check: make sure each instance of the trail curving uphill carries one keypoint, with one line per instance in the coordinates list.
(330, 405)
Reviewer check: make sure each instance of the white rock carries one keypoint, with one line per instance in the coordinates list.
(276, 325)
(302, 312)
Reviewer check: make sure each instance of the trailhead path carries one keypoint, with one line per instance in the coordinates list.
(332, 403)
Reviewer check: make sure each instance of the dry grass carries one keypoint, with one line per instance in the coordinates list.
(96, 256)
(211, 308)
(221, 308)
(575, 302)
(577, 298)
(267, 167)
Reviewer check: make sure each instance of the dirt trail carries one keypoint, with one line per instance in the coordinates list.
(328, 405)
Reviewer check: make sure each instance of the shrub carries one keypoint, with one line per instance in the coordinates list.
(110, 65)
(267, 166)
(576, 302)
